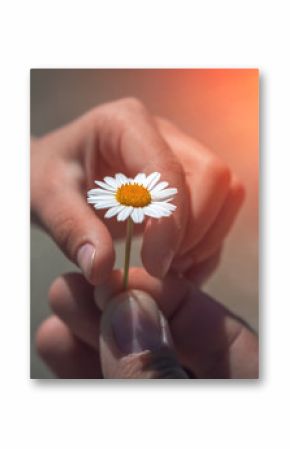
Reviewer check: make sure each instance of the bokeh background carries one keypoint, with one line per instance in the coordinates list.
(218, 107)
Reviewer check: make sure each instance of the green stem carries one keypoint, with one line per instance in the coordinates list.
(127, 252)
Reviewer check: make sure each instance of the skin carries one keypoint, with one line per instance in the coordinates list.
(124, 137)
(209, 341)
(65, 162)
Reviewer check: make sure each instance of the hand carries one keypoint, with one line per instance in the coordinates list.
(123, 137)
(193, 337)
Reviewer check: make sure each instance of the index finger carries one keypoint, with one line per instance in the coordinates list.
(129, 141)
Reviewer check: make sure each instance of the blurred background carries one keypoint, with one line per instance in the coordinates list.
(217, 107)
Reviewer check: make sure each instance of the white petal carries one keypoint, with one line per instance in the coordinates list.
(141, 214)
(124, 214)
(137, 215)
(121, 179)
(163, 201)
(92, 200)
(152, 180)
(101, 197)
(160, 186)
(105, 204)
(140, 178)
(152, 211)
(101, 206)
(96, 199)
(105, 186)
(97, 192)
(158, 210)
(163, 205)
(164, 194)
(113, 211)
(111, 181)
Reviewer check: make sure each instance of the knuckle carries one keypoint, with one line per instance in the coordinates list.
(120, 113)
(129, 108)
(132, 104)
(167, 128)
(219, 172)
(44, 339)
(166, 123)
(238, 192)
(54, 297)
(223, 174)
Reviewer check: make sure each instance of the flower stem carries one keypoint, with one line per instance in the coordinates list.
(127, 252)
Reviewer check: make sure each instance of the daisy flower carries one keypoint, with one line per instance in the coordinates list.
(133, 198)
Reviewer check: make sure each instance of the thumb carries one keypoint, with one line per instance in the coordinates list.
(75, 228)
(135, 341)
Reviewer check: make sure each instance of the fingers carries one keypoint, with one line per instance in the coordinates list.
(162, 238)
(65, 355)
(135, 342)
(140, 148)
(222, 224)
(208, 191)
(74, 226)
(135, 339)
(203, 259)
(139, 279)
(215, 194)
(209, 340)
(58, 199)
(200, 272)
(72, 300)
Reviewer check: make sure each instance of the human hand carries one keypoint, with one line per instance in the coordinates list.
(123, 137)
(194, 337)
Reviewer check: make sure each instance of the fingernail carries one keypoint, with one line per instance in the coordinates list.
(85, 259)
(136, 323)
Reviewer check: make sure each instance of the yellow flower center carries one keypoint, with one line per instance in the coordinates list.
(133, 195)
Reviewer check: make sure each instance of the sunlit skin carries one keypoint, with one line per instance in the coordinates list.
(65, 163)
